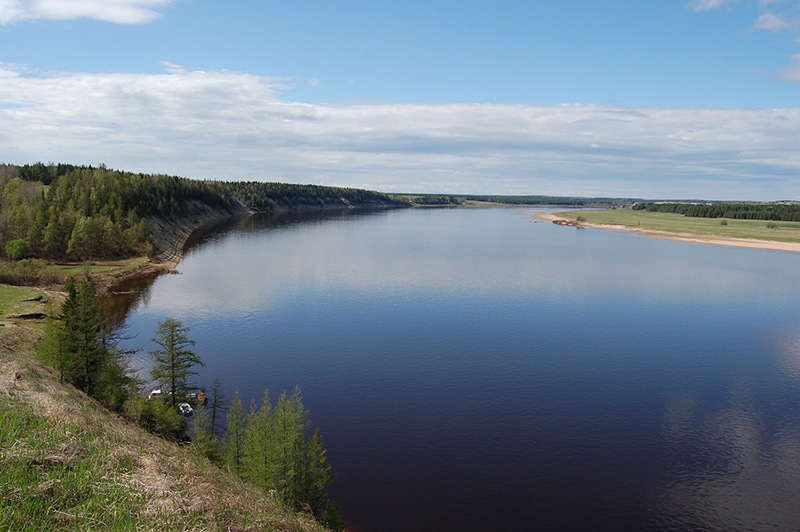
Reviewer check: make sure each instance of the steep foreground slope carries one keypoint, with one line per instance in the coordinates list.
(68, 464)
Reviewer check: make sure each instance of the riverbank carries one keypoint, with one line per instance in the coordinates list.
(670, 227)
(68, 463)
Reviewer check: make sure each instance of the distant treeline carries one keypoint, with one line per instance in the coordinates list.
(784, 212)
(429, 199)
(84, 212)
(550, 200)
(459, 199)
(266, 197)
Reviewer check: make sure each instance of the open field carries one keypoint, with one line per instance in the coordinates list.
(742, 233)
(677, 223)
(20, 300)
(103, 267)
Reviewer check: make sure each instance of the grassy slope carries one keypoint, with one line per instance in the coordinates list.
(677, 223)
(67, 464)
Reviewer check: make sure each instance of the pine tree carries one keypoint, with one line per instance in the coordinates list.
(81, 333)
(235, 436)
(290, 423)
(318, 475)
(116, 381)
(85, 351)
(259, 449)
(276, 455)
(174, 361)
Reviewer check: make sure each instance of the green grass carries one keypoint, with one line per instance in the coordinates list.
(677, 223)
(51, 476)
(89, 470)
(100, 267)
(68, 464)
(21, 300)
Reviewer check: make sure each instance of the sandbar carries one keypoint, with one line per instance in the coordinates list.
(751, 243)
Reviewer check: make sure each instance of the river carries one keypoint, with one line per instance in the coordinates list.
(474, 369)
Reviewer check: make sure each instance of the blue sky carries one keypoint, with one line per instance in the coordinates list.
(666, 99)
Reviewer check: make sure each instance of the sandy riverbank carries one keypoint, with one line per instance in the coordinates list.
(751, 243)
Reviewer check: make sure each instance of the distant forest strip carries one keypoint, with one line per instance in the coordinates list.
(777, 211)
(460, 199)
(265, 197)
(67, 212)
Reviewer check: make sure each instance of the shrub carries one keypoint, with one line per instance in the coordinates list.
(772, 225)
(156, 417)
(28, 272)
(723, 222)
(18, 249)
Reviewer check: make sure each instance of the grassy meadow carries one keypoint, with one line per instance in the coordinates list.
(678, 223)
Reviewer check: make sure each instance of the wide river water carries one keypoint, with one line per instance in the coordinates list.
(473, 369)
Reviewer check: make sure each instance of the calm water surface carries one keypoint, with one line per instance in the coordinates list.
(477, 370)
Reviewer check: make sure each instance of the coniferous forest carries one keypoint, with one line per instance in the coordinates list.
(66, 212)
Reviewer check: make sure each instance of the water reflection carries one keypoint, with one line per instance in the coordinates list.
(436, 255)
(736, 462)
(731, 473)
(125, 297)
(493, 372)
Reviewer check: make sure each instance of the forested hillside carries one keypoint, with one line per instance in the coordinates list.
(83, 213)
(266, 197)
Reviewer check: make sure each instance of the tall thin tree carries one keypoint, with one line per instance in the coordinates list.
(217, 404)
(81, 334)
(174, 360)
(235, 435)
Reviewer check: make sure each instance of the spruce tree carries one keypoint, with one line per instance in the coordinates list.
(81, 334)
(174, 360)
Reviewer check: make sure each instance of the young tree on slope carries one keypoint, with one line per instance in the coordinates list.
(86, 350)
(235, 436)
(81, 333)
(174, 360)
(217, 404)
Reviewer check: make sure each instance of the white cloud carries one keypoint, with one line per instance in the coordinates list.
(775, 16)
(710, 5)
(118, 11)
(770, 22)
(236, 126)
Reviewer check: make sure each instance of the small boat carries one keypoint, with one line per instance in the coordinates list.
(185, 409)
